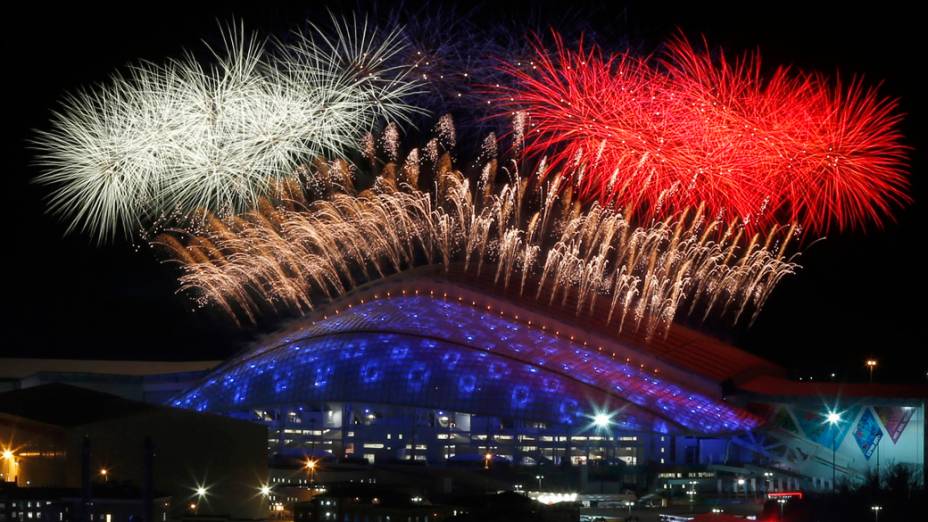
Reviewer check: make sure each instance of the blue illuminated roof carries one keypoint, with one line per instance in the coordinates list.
(434, 352)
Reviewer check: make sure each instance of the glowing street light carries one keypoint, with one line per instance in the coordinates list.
(201, 491)
(8, 470)
(311, 466)
(871, 365)
(539, 478)
(265, 490)
(105, 473)
(876, 512)
(486, 460)
(691, 493)
(833, 418)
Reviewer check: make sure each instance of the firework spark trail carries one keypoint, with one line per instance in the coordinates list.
(292, 254)
(660, 135)
(180, 136)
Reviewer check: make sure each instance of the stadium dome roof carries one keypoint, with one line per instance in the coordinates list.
(417, 339)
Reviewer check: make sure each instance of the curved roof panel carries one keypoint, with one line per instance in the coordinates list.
(434, 350)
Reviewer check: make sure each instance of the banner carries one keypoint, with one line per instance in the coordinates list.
(895, 419)
(868, 433)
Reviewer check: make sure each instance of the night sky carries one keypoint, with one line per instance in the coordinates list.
(858, 295)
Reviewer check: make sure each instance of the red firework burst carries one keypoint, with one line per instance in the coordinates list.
(659, 135)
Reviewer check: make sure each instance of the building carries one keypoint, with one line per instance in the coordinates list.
(110, 503)
(146, 381)
(460, 376)
(62, 442)
(418, 367)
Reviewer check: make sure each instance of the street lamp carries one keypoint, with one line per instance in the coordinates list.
(311, 466)
(10, 469)
(768, 480)
(539, 479)
(876, 512)
(833, 418)
(265, 490)
(105, 473)
(871, 365)
(199, 492)
(692, 493)
(782, 502)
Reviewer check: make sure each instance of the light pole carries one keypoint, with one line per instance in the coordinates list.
(871, 365)
(311, 466)
(539, 478)
(10, 458)
(876, 512)
(200, 492)
(833, 418)
(692, 493)
(782, 502)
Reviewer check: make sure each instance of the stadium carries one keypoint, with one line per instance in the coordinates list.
(423, 366)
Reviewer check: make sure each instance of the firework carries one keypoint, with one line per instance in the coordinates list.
(531, 239)
(660, 135)
(172, 138)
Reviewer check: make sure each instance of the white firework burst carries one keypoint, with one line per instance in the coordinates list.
(177, 137)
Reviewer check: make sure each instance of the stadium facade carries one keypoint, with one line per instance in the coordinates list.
(420, 367)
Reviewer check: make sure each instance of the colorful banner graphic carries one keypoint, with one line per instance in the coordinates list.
(868, 433)
(895, 419)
